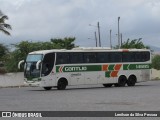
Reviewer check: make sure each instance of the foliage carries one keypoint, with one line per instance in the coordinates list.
(24, 47)
(11, 63)
(135, 43)
(66, 43)
(156, 62)
(4, 26)
(3, 51)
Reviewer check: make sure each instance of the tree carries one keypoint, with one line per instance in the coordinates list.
(156, 62)
(24, 47)
(66, 43)
(3, 51)
(135, 43)
(4, 26)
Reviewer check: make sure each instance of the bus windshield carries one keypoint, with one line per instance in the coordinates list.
(30, 66)
(34, 57)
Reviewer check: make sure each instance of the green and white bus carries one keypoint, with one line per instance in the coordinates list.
(83, 66)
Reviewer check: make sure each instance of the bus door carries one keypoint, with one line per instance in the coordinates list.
(47, 67)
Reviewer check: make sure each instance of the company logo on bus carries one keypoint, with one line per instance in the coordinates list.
(72, 69)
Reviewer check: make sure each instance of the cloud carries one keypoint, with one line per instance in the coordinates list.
(45, 19)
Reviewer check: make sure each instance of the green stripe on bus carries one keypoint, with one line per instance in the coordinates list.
(136, 66)
(78, 68)
(84, 68)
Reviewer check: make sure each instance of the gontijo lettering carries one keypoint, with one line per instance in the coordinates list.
(142, 66)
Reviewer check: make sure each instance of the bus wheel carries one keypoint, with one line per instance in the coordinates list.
(62, 83)
(107, 85)
(131, 80)
(47, 88)
(121, 81)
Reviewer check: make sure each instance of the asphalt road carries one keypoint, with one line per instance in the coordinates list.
(142, 97)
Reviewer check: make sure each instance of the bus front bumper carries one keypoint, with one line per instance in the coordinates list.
(34, 84)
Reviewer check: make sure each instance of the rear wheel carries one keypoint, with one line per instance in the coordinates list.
(107, 85)
(131, 81)
(62, 83)
(121, 81)
(47, 88)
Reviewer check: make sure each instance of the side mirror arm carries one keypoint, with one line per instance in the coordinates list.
(37, 64)
(19, 64)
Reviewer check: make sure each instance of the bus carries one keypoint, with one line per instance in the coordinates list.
(83, 66)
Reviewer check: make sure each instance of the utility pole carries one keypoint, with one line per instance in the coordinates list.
(118, 33)
(99, 34)
(121, 39)
(110, 38)
(95, 37)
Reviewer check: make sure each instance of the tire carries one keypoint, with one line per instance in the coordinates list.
(121, 82)
(62, 83)
(131, 81)
(107, 85)
(47, 88)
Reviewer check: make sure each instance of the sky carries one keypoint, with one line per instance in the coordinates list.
(41, 20)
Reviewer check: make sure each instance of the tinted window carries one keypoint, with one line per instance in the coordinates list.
(146, 56)
(76, 57)
(62, 58)
(103, 57)
(115, 57)
(136, 56)
(128, 57)
(90, 57)
(48, 63)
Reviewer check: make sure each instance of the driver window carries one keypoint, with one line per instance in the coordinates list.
(48, 63)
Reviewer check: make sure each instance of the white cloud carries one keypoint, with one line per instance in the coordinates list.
(43, 19)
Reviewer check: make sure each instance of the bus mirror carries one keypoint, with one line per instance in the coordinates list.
(37, 64)
(19, 64)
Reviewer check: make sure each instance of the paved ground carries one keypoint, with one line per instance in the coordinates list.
(142, 97)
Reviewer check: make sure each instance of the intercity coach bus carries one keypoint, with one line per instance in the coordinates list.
(83, 66)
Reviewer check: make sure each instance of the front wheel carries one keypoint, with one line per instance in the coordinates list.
(47, 88)
(62, 84)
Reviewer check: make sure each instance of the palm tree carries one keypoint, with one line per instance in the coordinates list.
(3, 25)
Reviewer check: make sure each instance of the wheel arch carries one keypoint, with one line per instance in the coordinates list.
(122, 76)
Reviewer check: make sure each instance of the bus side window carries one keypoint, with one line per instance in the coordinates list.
(128, 57)
(90, 57)
(116, 57)
(102, 57)
(146, 56)
(62, 58)
(76, 57)
(138, 57)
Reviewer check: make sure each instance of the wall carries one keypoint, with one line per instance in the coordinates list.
(12, 79)
(155, 74)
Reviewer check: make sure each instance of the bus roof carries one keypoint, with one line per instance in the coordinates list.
(87, 49)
